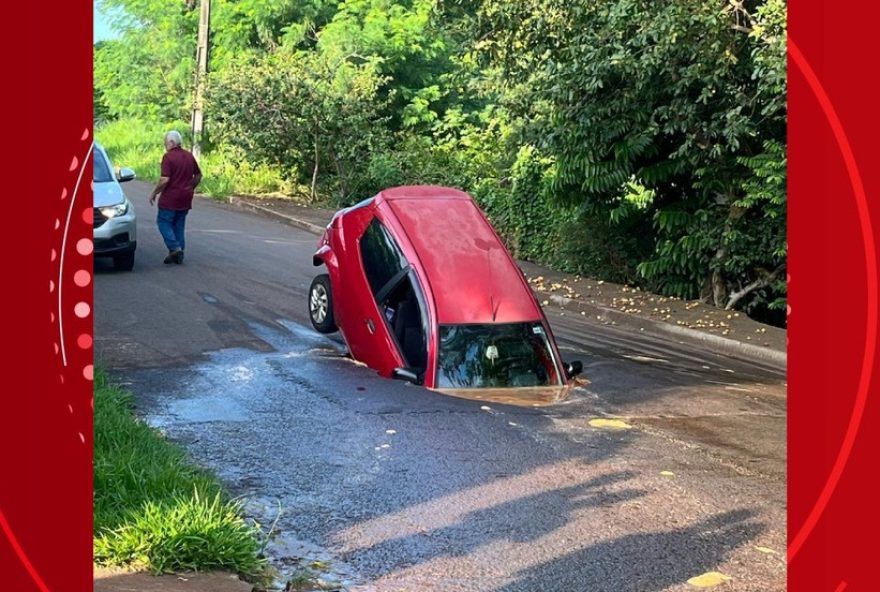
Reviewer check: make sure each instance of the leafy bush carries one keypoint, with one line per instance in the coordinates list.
(300, 108)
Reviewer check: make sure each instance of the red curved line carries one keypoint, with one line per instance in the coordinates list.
(7, 530)
(855, 419)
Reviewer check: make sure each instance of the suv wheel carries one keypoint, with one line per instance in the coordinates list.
(124, 261)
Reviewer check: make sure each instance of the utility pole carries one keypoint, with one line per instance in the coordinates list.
(198, 116)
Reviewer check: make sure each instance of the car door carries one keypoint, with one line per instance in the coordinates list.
(375, 264)
(402, 307)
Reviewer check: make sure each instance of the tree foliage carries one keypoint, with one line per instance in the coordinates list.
(629, 139)
(303, 108)
(685, 97)
(148, 71)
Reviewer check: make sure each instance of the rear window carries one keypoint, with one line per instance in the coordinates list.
(495, 356)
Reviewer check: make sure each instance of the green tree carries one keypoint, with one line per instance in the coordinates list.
(682, 96)
(148, 71)
(299, 107)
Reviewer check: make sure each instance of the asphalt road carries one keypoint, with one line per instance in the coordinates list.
(393, 487)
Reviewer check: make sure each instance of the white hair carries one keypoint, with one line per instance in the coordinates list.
(174, 136)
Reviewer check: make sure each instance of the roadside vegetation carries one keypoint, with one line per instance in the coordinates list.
(632, 141)
(153, 508)
(133, 143)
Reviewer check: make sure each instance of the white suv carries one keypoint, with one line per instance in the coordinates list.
(115, 230)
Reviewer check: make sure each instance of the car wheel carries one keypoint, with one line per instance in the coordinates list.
(321, 305)
(124, 262)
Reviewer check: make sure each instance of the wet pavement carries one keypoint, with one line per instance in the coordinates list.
(377, 485)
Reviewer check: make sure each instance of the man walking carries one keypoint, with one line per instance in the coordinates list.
(180, 175)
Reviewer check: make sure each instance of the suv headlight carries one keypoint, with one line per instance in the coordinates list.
(117, 210)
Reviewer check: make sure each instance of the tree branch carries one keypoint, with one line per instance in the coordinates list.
(755, 285)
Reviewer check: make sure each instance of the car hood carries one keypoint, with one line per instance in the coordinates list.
(519, 396)
(108, 194)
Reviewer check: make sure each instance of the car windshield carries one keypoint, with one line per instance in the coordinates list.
(495, 356)
(102, 171)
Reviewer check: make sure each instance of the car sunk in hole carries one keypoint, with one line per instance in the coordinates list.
(422, 289)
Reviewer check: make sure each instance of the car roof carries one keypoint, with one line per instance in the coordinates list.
(472, 277)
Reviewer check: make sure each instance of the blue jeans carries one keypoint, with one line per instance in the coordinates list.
(171, 226)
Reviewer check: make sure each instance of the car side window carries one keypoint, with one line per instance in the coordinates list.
(381, 256)
(102, 172)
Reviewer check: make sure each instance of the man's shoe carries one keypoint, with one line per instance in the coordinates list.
(178, 256)
(170, 258)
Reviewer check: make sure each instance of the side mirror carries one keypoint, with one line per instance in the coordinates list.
(405, 374)
(125, 174)
(574, 368)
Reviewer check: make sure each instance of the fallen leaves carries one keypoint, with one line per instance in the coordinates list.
(689, 314)
(611, 424)
(709, 579)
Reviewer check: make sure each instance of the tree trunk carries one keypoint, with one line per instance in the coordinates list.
(314, 192)
(719, 287)
(340, 171)
(706, 296)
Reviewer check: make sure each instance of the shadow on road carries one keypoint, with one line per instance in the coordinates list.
(645, 562)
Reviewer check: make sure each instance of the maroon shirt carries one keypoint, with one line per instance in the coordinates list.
(180, 167)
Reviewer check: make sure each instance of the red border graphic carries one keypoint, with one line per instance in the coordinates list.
(871, 322)
(833, 296)
(46, 417)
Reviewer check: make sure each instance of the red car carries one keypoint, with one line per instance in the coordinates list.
(422, 289)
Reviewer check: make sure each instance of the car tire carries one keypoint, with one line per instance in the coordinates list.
(321, 305)
(124, 261)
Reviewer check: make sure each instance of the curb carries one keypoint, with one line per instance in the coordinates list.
(721, 344)
(313, 228)
(718, 343)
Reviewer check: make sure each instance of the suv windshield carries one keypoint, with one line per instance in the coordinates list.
(495, 356)
(102, 171)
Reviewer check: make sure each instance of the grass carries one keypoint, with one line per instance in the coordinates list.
(226, 171)
(136, 145)
(300, 581)
(153, 508)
